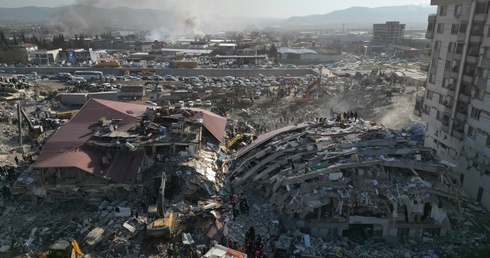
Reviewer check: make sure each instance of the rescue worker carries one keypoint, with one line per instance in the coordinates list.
(244, 207)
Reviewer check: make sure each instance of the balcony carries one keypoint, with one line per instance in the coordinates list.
(417, 112)
(481, 17)
(472, 59)
(476, 38)
(432, 17)
(458, 135)
(424, 67)
(461, 116)
(461, 37)
(429, 34)
(444, 127)
(468, 78)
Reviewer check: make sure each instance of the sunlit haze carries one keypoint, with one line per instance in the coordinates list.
(251, 8)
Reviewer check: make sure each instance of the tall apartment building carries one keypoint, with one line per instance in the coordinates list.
(389, 33)
(456, 105)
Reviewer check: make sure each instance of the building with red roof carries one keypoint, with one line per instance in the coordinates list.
(105, 143)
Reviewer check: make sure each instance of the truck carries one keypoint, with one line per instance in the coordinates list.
(109, 63)
(182, 64)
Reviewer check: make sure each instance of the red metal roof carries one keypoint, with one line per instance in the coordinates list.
(214, 123)
(123, 166)
(66, 148)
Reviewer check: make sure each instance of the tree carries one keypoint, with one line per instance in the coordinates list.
(3, 39)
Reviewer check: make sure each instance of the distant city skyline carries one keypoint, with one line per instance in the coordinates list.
(250, 8)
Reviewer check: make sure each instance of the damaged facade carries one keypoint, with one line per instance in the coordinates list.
(330, 181)
(455, 103)
(102, 152)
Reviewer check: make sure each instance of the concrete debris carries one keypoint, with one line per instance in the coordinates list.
(313, 180)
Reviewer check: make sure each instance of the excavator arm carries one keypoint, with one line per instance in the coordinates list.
(307, 92)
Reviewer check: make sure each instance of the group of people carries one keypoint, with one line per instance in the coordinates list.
(242, 207)
(253, 245)
(347, 116)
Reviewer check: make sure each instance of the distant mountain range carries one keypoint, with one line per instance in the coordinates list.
(76, 18)
(408, 14)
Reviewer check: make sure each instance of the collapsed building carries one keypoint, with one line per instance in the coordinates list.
(330, 179)
(102, 152)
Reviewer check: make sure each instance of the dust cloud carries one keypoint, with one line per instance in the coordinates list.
(169, 18)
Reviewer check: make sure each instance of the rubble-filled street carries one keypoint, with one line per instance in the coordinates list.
(338, 171)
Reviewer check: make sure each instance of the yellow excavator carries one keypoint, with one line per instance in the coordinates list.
(48, 89)
(232, 142)
(161, 223)
(63, 249)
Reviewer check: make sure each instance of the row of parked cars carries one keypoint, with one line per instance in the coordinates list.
(181, 103)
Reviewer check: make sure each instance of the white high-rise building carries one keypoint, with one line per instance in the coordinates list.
(456, 105)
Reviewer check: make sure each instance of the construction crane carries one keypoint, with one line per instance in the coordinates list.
(304, 99)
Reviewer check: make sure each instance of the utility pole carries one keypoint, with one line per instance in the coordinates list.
(19, 118)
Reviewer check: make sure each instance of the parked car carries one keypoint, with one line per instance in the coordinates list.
(198, 103)
(190, 103)
(207, 103)
(150, 103)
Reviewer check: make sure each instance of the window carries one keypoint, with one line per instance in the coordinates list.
(458, 10)
(466, 8)
(441, 99)
(442, 10)
(477, 29)
(437, 45)
(445, 119)
(439, 115)
(470, 69)
(487, 142)
(459, 48)
(480, 194)
(451, 47)
(482, 8)
(430, 26)
(471, 132)
(474, 50)
(446, 82)
(427, 109)
(462, 27)
(465, 89)
(432, 78)
(434, 62)
(478, 93)
(475, 113)
(486, 52)
(482, 73)
(429, 94)
(455, 28)
(448, 65)
(440, 28)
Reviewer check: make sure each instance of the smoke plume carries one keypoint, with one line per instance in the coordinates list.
(169, 18)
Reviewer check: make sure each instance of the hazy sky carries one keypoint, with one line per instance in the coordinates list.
(257, 8)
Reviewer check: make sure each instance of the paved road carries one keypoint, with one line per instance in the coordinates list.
(162, 72)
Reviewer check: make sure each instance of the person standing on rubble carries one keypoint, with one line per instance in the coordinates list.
(355, 116)
(244, 207)
(233, 201)
(235, 213)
